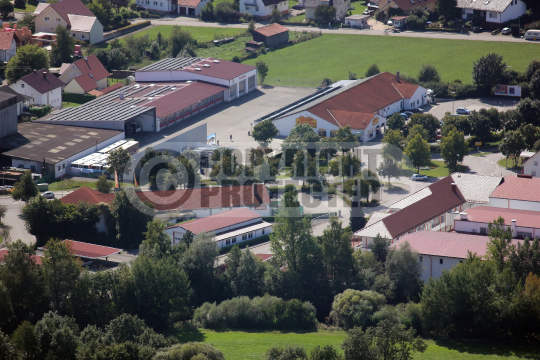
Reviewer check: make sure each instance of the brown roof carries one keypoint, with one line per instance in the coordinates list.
(369, 96)
(6, 37)
(441, 199)
(37, 259)
(518, 188)
(190, 3)
(73, 7)
(42, 81)
(88, 195)
(90, 251)
(356, 120)
(271, 30)
(398, 18)
(226, 70)
(271, 2)
(407, 5)
(111, 88)
(219, 221)
(92, 71)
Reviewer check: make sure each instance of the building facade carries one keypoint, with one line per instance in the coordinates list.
(8, 45)
(262, 9)
(492, 13)
(8, 114)
(42, 86)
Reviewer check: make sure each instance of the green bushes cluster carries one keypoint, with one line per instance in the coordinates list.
(267, 312)
(40, 111)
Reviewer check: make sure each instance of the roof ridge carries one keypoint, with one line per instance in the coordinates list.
(333, 117)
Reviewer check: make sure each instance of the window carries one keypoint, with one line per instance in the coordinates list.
(256, 8)
(234, 239)
(57, 20)
(227, 242)
(463, 12)
(440, 261)
(461, 261)
(63, 166)
(512, 91)
(483, 230)
(82, 36)
(421, 259)
(442, 219)
(250, 234)
(46, 19)
(244, 237)
(155, 2)
(59, 168)
(492, 15)
(533, 173)
(22, 86)
(536, 163)
(161, 4)
(417, 102)
(73, 35)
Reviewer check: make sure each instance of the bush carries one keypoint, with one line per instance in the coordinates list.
(236, 59)
(267, 312)
(191, 350)
(77, 98)
(40, 111)
(515, 30)
(356, 308)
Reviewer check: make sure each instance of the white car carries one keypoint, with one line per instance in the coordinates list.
(463, 111)
(390, 23)
(418, 177)
(506, 31)
(48, 195)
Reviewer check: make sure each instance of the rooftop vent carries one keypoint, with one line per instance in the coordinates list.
(152, 84)
(198, 69)
(90, 75)
(86, 58)
(206, 65)
(216, 61)
(137, 86)
(173, 88)
(189, 82)
(121, 96)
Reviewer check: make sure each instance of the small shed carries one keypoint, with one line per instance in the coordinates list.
(271, 35)
(357, 21)
(399, 21)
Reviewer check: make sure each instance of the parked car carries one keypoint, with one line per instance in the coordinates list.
(506, 31)
(404, 115)
(438, 134)
(298, 7)
(463, 111)
(418, 177)
(395, 30)
(477, 29)
(390, 22)
(48, 195)
(409, 113)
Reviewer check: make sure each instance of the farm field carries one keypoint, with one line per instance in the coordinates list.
(239, 345)
(339, 54)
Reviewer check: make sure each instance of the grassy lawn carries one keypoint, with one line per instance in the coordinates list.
(441, 170)
(387, 52)
(71, 185)
(296, 19)
(28, 8)
(226, 51)
(292, 3)
(239, 345)
(510, 164)
(70, 104)
(481, 154)
(359, 7)
(201, 34)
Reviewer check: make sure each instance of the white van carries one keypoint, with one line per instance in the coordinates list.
(532, 35)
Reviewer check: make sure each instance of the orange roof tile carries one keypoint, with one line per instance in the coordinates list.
(271, 30)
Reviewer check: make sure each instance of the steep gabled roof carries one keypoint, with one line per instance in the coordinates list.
(92, 71)
(42, 81)
(91, 196)
(81, 22)
(69, 7)
(6, 38)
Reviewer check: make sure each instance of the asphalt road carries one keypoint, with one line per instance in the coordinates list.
(14, 222)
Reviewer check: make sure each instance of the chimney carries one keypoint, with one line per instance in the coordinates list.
(513, 227)
(397, 76)
(45, 75)
(463, 216)
(454, 187)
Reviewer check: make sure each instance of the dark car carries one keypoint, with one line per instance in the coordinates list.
(477, 29)
(409, 113)
(298, 7)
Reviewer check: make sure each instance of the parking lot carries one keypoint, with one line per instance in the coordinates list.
(502, 104)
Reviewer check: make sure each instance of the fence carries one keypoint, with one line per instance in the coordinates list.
(292, 82)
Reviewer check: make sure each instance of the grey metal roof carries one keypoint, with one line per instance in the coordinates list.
(170, 64)
(485, 5)
(107, 107)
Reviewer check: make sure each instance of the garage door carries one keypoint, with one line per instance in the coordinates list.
(232, 92)
(251, 83)
(241, 87)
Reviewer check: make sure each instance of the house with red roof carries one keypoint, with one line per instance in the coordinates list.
(362, 104)
(404, 5)
(8, 45)
(71, 14)
(230, 227)
(42, 86)
(442, 251)
(84, 75)
(521, 192)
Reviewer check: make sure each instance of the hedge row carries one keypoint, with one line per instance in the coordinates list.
(77, 98)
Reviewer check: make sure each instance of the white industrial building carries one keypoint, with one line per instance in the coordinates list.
(230, 227)
(521, 192)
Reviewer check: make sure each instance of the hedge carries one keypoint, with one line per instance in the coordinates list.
(77, 98)
(138, 25)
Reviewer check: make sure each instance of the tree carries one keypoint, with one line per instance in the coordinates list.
(447, 8)
(372, 70)
(3, 211)
(428, 73)
(103, 185)
(249, 279)
(454, 148)
(275, 16)
(369, 183)
(357, 218)
(179, 39)
(287, 352)
(354, 308)
(488, 71)
(533, 66)
(404, 270)
(387, 341)
(530, 111)
(27, 59)
(25, 189)
(192, 351)
(25, 342)
(325, 13)
(392, 153)
(157, 243)
(345, 165)
(62, 50)
(379, 247)
(337, 251)
(7, 350)
(116, 59)
(534, 85)
(61, 270)
(395, 122)
(57, 336)
(429, 122)
(131, 221)
(345, 139)
(418, 152)
(326, 353)
(6, 8)
(263, 132)
(530, 133)
(500, 244)
(481, 125)
(389, 168)
(352, 76)
(118, 160)
(461, 123)
(19, 4)
(513, 144)
(262, 70)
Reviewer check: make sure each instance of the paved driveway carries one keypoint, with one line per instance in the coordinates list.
(502, 104)
(14, 221)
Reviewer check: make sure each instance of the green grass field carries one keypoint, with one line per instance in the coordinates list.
(29, 8)
(239, 345)
(72, 185)
(225, 51)
(201, 34)
(336, 55)
(69, 104)
(359, 7)
(510, 164)
(441, 170)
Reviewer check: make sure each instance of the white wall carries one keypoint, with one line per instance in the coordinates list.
(73, 87)
(53, 98)
(433, 267)
(96, 33)
(53, 21)
(180, 231)
(532, 166)
(5, 55)
(514, 204)
(257, 8)
(419, 98)
(158, 5)
(464, 13)
(287, 123)
(514, 11)
(474, 227)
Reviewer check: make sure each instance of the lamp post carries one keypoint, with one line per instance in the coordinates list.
(508, 67)
(4, 180)
(453, 100)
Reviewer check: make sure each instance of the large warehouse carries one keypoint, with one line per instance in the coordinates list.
(363, 105)
(47, 149)
(162, 96)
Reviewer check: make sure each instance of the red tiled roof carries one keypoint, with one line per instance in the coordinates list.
(92, 71)
(191, 3)
(91, 251)
(447, 244)
(264, 257)
(183, 97)
(356, 120)
(367, 97)
(41, 84)
(487, 214)
(4, 252)
(204, 198)
(87, 195)
(407, 5)
(6, 37)
(271, 30)
(518, 188)
(442, 199)
(226, 70)
(73, 7)
(219, 221)
(111, 88)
